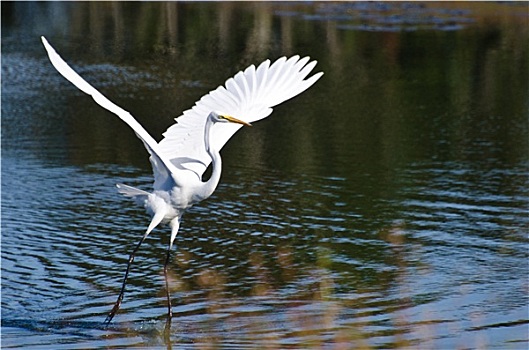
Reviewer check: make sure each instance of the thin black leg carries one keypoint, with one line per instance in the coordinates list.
(122, 292)
(167, 334)
(165, 265)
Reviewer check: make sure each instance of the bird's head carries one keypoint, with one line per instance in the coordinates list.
(224, 118)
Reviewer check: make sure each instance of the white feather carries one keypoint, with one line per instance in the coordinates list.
(162, 167)
(248, 96)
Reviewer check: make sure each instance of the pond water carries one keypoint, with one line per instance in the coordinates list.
(386, 207)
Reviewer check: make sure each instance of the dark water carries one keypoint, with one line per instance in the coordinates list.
(386, 207)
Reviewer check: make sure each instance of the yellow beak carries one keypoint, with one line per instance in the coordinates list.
(235, 120)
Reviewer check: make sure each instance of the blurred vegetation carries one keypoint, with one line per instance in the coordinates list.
(404, 83)
(407, 76)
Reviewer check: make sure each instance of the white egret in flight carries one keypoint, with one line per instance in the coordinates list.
(194, 141)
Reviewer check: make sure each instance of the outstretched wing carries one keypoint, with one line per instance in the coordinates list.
(162, 167)
(248, 96)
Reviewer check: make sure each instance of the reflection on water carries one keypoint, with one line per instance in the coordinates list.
(386, 207)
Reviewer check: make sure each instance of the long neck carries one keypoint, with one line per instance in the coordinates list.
(216, 162)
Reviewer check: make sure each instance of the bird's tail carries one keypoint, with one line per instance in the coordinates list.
(141, 196)
(130, 191)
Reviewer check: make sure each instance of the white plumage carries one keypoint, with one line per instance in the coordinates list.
(248, 96)
(195, 140)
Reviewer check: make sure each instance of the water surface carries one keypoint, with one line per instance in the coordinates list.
(386, 207)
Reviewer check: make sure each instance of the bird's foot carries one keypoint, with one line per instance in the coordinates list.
(112, 313)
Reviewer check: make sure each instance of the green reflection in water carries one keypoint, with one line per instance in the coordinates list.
(342, 217)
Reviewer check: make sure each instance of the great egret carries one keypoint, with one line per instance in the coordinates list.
(194, 141)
